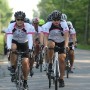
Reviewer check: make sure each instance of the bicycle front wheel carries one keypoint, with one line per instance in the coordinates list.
(56, 77)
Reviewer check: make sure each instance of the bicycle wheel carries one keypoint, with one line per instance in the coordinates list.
(19, 79)
(67, 69)
(56, 77)
(41, 62)
(49, 77)
(37, 61)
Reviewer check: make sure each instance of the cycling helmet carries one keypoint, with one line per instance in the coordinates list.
(27, 20)
(12, 21)
(56, 15)
(35, 20)
(41, 22)
(19, 14)
(69, 23)
(49, 18)
(63, 17)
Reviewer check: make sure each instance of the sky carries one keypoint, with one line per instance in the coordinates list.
(26, 6)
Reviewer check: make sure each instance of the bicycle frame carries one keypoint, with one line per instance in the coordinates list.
(18, 72)
(56, 62)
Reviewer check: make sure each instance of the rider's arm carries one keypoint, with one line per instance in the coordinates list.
(73, 33)
(46, 32)
(66, 32)
(30, 32)
(66, 36)
(9, 36)
(41, 35)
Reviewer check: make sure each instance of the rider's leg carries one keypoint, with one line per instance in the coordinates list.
(13, 57)
(71, 53)
(61, 57)
(51, 45)
(62, 65)
(25, 63)
(46, 58)
(26, 68)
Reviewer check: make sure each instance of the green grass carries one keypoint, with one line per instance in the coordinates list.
(83, 46)
(1, 43)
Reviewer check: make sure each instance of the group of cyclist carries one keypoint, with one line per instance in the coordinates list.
(25, 36)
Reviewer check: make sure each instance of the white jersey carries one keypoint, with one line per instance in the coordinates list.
(39, 30)
(55, 33)
(20, 35)
(71, 32)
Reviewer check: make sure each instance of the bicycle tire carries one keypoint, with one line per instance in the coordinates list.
(56, 77)
(49, 77)
(40, 62)
(67, 69)
(19, 79)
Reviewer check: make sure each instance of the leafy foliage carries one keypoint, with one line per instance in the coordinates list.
(5, 13)
(78, 12)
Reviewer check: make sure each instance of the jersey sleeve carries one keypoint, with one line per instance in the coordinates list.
(40, 29)
(64, 26)
(29, 28)
(72, 31)
(9, 35)
(30, 31)
(46, 27)
(10, 28)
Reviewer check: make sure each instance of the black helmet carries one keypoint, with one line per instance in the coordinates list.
(27, 20)
(49, 18)
(19, 14)
(56, 15)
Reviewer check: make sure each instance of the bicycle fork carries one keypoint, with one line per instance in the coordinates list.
(56, 66)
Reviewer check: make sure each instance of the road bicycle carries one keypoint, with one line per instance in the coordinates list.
(18, 71)
(67, 61)
(39, 58)
(55, 73)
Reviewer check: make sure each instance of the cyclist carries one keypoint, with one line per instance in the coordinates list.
(42, 22)
(72, 41)
(72, 44)
(56, 32)
(38, 37)
(19, 37)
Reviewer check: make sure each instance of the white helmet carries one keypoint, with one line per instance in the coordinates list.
(64, 16)
(69, 23)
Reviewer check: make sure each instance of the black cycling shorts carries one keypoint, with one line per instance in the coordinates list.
(70, 45)
(61, 45)
(23, 47)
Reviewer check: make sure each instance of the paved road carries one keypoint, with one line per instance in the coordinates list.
(79, 80)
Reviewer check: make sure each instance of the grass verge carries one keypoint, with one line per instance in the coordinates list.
(83, 46)
(1, 43)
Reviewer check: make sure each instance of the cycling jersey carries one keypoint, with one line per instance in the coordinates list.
(55, 33)
(20, 35)
(37, 32)
(71, 32)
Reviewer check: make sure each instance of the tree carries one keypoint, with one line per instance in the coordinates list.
(77, 12)
(5, 13)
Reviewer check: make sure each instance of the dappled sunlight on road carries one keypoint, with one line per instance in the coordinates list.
(82, 61)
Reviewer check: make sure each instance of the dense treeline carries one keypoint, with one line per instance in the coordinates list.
(5, 13)
(78, 11)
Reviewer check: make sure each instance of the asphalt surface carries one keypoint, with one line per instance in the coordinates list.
(79, 80)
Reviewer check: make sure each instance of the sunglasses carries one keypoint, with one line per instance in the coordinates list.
(20, 19)
(56, 19)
